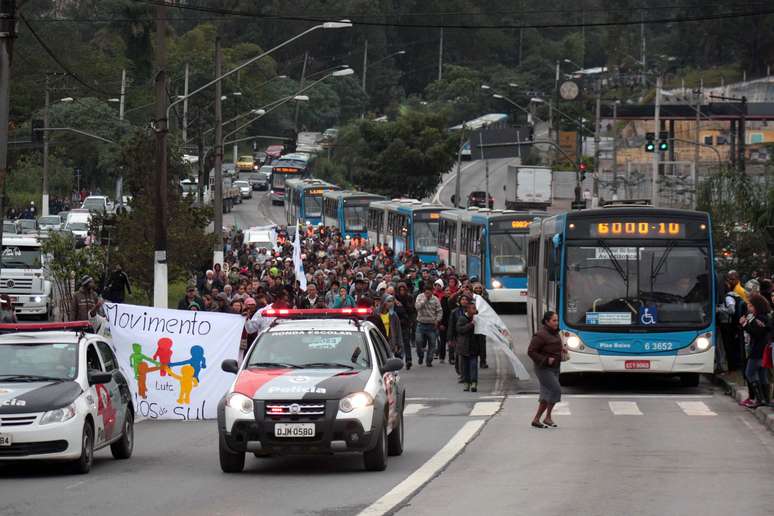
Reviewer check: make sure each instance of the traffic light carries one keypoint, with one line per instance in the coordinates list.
(650, 146)
(582, 170)
(663, 145)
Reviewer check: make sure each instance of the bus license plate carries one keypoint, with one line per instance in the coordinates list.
(637, 364)
(6, 440)
(294, 430)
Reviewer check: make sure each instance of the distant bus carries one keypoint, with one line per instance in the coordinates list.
(634, 288)
(347, 211)
(406, 225)
(491, 245)
(478, 123)
(304, 200)
(297, 164)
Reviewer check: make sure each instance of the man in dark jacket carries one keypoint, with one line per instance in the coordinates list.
(405, 299)
(469, 346)
(311, 299)
(85, 302)
(457, 311)
(190, 297)
(117, 285)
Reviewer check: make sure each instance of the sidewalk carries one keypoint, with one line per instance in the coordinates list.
(739, 392)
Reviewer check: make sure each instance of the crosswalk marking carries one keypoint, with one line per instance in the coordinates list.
(413, 408)
(624, 408)
(485, 408)
(562, 409)
(695, 408)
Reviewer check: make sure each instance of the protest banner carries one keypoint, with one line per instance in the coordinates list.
(172, 358)
(488, 323)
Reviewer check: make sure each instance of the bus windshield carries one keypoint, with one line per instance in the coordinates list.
(426, 237)
(509, 253)
(356, 214)
(278, 181)
(657, 286)
(312, 205)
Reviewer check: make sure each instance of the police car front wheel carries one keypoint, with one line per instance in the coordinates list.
(375, 459)
(122, 448)
(82, 464)
(230, 462)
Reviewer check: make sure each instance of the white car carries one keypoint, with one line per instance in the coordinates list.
(314, 382)
(245, 189)
(50, 223)
(97, 203)
(62, 395)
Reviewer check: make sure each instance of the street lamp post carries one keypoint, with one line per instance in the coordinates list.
(160, 265)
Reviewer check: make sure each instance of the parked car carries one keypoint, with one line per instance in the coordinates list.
(259, 158)
(477, 199)
(10, 227)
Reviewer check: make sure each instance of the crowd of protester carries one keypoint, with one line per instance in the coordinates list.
(746, 328)
(419, 308)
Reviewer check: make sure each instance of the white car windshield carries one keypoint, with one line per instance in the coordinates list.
(38, 362)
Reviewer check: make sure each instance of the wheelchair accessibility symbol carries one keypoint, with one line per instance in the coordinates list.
(648, 316)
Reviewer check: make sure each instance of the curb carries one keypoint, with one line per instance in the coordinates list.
(763, 414)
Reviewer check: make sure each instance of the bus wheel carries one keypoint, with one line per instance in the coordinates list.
(689, 380)
(568, 379)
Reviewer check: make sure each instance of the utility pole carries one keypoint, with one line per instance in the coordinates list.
(185, 106)
(303, 78)
(657, 132)
(597, 124)
(642, 47)
(456, 202)
(218, 179)
(44, 206)
(121, 111)
(698, 132)
(365, 65)
(160, 286)
(486, 164)
(7, 35)
(556, 103)
(440, 57)
(615, 150)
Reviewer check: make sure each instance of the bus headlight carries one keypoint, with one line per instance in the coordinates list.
(575, 344)
(496, 284)
(699, 345)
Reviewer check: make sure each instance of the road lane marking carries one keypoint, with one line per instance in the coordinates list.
(457, 400)
(413, 408)
(625, 396)
(426, 472)
(485, 408)
(695, 408)
(562, 409)
(453, 176)
(73, 486)
(624, 408)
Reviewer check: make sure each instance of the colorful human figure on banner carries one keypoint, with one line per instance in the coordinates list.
(163, 354)
(189, 372)
(197, 361)
(187, 383)
(138, 357)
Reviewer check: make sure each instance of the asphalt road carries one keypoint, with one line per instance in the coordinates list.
(625, 445)
(473, 177)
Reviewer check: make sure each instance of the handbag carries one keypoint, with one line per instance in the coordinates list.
(767, 362)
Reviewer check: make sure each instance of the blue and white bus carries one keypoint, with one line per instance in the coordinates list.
(296, 164)
(303, 200)
(347, 211)
(406, 225)
(491, 245)
(634, 288)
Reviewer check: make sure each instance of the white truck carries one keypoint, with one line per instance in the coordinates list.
(528, 187)
(24, 278)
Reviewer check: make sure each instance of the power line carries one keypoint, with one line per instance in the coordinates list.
(638, 21)
(60, 63)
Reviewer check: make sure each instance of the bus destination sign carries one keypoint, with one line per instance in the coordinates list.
(286, 170)
(507, 225)
(637, 228)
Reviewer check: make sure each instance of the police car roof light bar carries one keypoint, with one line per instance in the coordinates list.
(45, 326)
(317, 313)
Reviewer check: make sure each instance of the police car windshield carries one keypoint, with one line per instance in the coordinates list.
(311, 349)
(32, 362)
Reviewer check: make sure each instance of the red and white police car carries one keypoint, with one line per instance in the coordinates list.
(62, 395)
(317, 381)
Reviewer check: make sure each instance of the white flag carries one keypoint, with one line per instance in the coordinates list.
(298, 265)
(489, 323)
